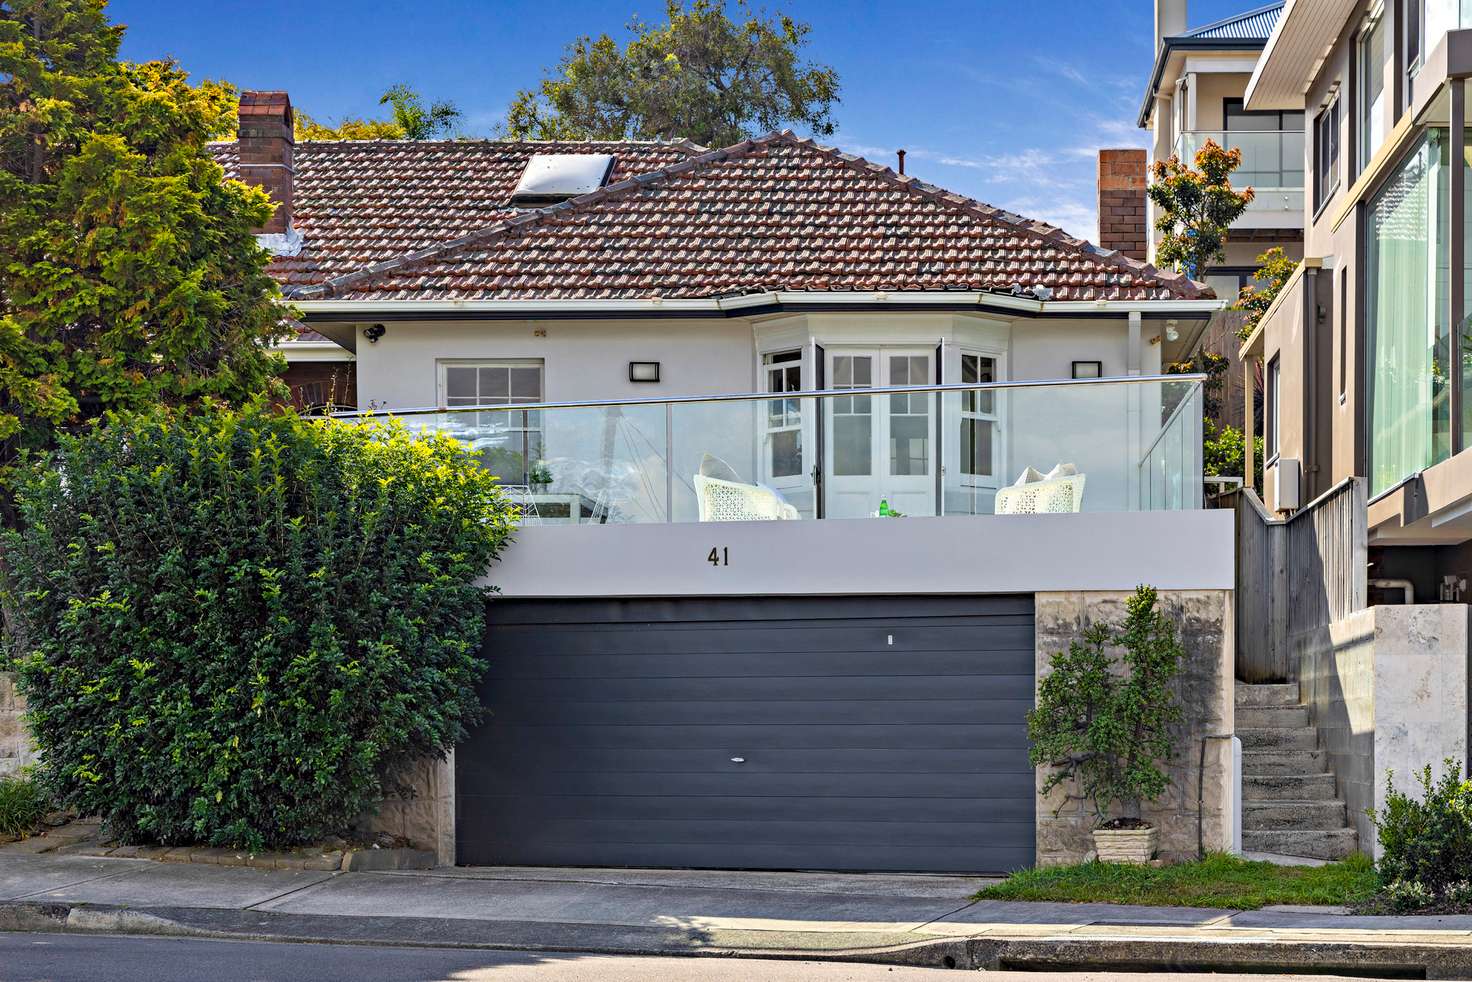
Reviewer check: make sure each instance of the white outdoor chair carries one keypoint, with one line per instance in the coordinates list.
(1062, 494)
(729, 501)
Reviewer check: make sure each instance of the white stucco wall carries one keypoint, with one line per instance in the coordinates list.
(588, 360)
(1171, 550)
(583, 360)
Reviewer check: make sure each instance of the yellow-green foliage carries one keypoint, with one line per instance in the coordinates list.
(128, 271)
(232, 625)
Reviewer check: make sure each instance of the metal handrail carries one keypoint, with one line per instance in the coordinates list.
(521, 407)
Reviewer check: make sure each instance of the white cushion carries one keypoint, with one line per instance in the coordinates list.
(1060, 470)
(1030, 476)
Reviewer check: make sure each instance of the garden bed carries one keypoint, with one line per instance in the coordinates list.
(1216, 881)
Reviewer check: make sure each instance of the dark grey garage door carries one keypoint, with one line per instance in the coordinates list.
(879, 733)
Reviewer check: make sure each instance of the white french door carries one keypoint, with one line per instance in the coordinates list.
(879, 448)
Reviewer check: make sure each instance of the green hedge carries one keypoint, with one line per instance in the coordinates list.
(232, 625)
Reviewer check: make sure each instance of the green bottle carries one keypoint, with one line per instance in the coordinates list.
(883, 507)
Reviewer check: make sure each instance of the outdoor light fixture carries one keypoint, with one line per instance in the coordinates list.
(374, 332)
(1171, 334)
(643, 371)
(1088, 369)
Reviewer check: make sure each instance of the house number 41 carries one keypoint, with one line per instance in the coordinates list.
(719, 556)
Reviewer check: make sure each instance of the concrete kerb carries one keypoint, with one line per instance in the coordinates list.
(1115, 951)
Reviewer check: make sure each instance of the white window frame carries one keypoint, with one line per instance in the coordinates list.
(995, 416)
(531, 422)
(799, 425)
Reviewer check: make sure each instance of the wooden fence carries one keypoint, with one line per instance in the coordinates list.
(1296, 575)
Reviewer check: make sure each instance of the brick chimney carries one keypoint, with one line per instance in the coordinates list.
(266, 145)
(1122, 202)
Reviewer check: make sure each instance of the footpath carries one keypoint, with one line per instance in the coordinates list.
(913, 920)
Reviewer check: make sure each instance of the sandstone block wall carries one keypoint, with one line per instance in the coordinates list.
(1205, 690)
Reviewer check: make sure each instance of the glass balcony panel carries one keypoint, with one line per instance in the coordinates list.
(973, 449)
(1270, 158)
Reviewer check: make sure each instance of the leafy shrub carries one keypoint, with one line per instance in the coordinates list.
(1105, 732)
(231, 625)
(22, 803)
(1427, 842)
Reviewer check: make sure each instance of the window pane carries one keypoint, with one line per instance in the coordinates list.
(526, 384)
(863, 372)
(851, 445)
(1408, 427)
(495, 385)
(460, 386)
(787, 453)
(843, 371)
(976, 447)
(909, 445)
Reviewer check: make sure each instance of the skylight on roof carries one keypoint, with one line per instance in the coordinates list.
(553, 177)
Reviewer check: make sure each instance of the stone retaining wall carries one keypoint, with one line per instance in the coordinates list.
(1386, 688)
(16, 751)
(1204, 688)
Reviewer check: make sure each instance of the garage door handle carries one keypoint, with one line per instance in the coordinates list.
(738, 760)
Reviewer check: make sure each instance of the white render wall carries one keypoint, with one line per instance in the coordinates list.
(588, 360)
(1170, 550)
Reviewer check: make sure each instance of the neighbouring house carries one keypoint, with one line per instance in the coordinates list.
(1353, 565)
(1194, 94)
(779, 598)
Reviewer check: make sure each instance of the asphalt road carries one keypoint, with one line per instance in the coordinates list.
(78, 958)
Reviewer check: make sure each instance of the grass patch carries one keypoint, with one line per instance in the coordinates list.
(22, 803)
(1219, 880)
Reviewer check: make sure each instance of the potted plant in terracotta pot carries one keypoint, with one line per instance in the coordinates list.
(1103, 723)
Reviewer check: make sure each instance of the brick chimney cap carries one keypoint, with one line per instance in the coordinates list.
(265, 104)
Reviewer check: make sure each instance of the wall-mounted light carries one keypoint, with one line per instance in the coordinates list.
(1171, 334)
(1088, 369)
(643, 371)
(373, 332)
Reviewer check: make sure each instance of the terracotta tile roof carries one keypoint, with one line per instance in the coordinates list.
(777, 213)
(357, 203)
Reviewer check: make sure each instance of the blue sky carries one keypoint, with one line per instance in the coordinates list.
(1003, 100)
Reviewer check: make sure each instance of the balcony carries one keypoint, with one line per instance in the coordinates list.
(1272, 165)
(1124, 445)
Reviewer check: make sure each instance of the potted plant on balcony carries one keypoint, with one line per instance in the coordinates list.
(1103, 724)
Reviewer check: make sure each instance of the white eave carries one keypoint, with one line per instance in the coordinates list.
(365, 309)
(1301, 40)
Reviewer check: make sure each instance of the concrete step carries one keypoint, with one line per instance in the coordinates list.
(1288, 786)
(1290, 814)
(1278, 738)
(1272, 716)
(1265, 762)
(1311, 843)
(1267, 695)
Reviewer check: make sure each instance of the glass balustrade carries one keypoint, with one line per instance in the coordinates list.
(1271, 159)
(999, 448)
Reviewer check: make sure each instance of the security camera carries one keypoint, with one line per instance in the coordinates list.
(374, 332)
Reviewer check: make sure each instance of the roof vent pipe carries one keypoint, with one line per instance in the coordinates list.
(902, 162)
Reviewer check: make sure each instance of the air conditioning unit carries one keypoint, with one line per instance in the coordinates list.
(1287, 493)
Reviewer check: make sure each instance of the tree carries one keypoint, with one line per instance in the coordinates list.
(307, 128)
(1273, 270)
(235, 626)
(701, 75)
(1104, 732)
(1197, 206)
(129, 274)
(418, 121)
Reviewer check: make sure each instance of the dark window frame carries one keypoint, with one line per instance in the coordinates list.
(1272, 383)
(1326, 154)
